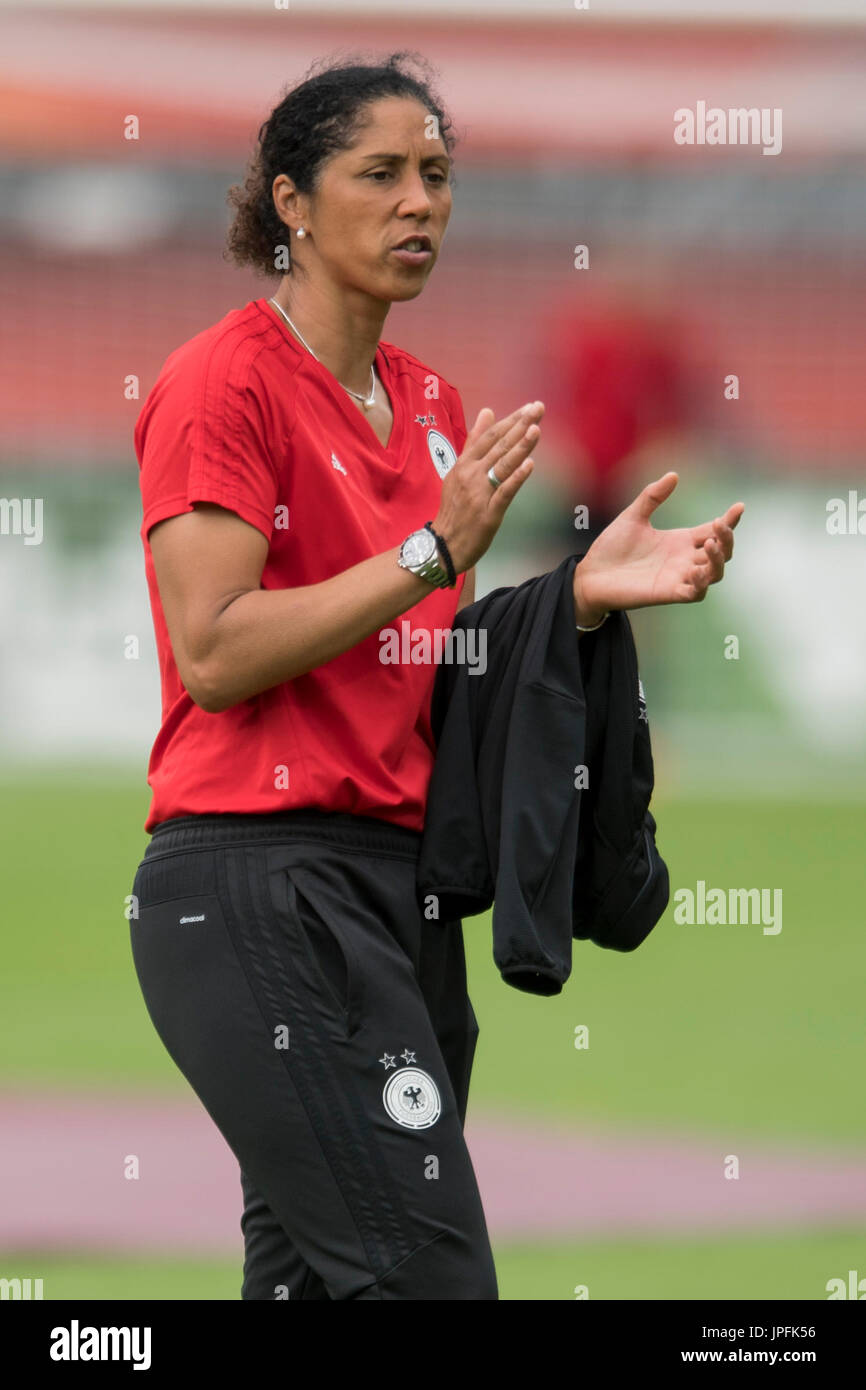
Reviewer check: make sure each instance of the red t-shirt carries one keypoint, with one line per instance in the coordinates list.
(243, 416)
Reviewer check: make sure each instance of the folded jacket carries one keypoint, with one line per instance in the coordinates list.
(538, 800)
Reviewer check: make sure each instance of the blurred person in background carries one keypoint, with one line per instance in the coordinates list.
(618, 395)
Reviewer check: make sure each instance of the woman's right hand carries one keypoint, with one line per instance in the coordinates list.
(471, 509)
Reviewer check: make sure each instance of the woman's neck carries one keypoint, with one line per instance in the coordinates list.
(342, 332)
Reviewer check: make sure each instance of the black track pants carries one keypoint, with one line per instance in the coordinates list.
(324, 1023)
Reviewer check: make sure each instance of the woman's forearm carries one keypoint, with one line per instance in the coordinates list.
(263, 637)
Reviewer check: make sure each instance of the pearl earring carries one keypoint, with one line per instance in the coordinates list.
(301, 233)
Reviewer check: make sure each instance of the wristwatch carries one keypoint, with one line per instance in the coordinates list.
(420, 554)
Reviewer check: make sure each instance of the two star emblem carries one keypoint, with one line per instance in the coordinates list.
(389, 1061)
(425, 419)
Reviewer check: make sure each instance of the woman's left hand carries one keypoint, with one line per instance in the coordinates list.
(631, 565)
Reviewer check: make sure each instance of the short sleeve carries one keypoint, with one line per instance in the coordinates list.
(207, 434)
(458, 420)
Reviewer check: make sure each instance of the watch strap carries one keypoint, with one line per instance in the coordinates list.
(445, 553)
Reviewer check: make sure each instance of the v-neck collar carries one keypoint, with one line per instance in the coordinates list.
(393, 454)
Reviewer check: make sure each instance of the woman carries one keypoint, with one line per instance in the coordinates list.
(304, 486)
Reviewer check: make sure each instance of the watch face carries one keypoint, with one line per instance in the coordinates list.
(418, 547)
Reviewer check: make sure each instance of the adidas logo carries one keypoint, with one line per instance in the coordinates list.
(335, 462)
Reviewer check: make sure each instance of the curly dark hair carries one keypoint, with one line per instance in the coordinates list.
(313, 121)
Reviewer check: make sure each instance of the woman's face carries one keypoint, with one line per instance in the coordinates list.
(391, 183)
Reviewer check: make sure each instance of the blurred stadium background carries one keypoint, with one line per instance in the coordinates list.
(703, 262)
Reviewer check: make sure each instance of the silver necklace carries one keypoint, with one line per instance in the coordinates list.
(366, 401)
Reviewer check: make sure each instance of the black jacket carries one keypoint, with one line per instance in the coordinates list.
(506, 823)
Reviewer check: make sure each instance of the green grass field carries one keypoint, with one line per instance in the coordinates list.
(751, 1267)
(712, 1030)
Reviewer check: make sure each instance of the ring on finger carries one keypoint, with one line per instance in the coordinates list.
(493, 478)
